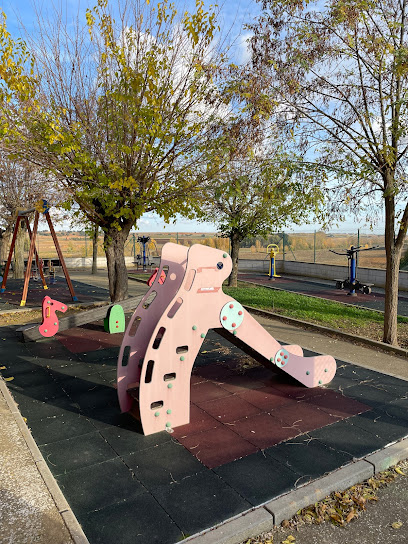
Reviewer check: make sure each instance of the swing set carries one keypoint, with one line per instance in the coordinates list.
(22, 216)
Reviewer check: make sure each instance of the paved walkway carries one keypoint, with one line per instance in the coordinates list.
(326, 289)
(43, 523)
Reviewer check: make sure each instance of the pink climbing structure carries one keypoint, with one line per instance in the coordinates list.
(168, 328)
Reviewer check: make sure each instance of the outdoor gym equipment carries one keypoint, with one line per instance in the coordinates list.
(168, 328)
(352, 282)
(272, 264)
(144, 257)
(114, 320)
(50, 324)
(40, 207)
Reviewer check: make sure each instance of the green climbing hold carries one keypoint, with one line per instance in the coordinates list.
(271, 359)
(156, 414)
(307, 373)
(168, 424)
(202, 335)
(114, 320)
(169, 385)
(169, 412)
(55, 324)
(325, 370)
(225, 255)
(45, 330)
(234, 333)
(194, 327)
(182, 358)
(320, 382)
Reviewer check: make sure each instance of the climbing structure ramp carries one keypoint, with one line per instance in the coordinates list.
(168, 328)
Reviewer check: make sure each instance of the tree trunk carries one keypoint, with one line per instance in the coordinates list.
(115, 255)
(95, 239)
(5, 241)
(393, 257)
(235, 242)
(19, 251)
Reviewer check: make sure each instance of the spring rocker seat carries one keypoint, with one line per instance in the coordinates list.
(168, 327)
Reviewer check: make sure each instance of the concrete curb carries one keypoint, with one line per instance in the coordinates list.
(72, 524)
(353, 338)
(286, 506)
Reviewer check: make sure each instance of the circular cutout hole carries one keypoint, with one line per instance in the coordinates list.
(220, 266)
(173, 276)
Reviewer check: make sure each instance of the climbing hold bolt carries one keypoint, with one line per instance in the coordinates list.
(320, 382)
(156, 414)
(240, 312)
(307, 373)
(271, 359)
(225, 255)
(231, 305)
(168, 424)
(182, 358)
(224, 318)
(325, 370)
(234, 333)
(169, 385)
(202, 335)
(168, 412)
(194, 327)
(234, 325)
(55, 324)
(45, 330)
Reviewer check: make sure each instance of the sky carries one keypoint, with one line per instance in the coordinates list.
(234, 15)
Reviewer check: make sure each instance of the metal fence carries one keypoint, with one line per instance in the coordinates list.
(313, 247)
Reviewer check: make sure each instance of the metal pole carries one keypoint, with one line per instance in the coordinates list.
(134, 248)
(314, 247)
(283, 247)
(358, 245)
(86, 245)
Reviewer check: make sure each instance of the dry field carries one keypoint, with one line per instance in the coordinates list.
(299, 247)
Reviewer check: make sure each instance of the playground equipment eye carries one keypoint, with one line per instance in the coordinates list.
(220, 266)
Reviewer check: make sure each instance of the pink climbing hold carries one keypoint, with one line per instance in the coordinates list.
(224, 318)
(153, 277)
(231, 305)
(50, 324)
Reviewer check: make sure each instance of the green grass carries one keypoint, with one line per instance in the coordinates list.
(314, 310)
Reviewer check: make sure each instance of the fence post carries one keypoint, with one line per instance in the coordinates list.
(314, 247)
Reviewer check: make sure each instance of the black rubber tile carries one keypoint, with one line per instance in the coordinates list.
(77, 452)
(95, 487)
(343, 436)
(310, 459)
(162, 465)
(129, 438)
(73, 370)
(19, 366)
(55, 428)
(138, 521)
(370, 395)
(43, 392)
(199, 502)
(34, 409)
(39, 376)
(78, 386)
(387, 427)
(98, 396)
(108, 415)
(108, 355)
(258, 477)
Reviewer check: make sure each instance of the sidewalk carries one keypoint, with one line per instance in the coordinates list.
(30, 510)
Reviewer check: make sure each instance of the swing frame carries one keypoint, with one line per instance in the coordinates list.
(22, 215)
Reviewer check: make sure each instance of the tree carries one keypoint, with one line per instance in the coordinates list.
(340, 75)
(125, 115)
(256, 193)
(21, 186)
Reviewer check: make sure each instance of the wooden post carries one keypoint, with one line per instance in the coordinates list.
(10, 256)
(30, 260)
(61, 258)
(37, 260)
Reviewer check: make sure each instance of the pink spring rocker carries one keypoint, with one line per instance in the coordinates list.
(168, 328)
(50, 324)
